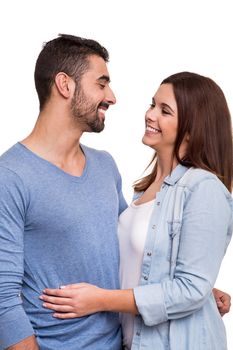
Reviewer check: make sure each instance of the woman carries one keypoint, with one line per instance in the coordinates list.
(174, 235)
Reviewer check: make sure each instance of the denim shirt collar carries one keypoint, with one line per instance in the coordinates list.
(175, 175)
(170, 180)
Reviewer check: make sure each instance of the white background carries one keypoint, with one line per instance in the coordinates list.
(147, 41)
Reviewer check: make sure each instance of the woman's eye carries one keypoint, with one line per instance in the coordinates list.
(152, 105)
(164, 111)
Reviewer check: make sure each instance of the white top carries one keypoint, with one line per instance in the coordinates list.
(132, 231)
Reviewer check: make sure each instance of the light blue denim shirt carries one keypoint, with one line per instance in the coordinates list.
(174, 296)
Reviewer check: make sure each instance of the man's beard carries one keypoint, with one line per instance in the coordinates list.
(85, 112)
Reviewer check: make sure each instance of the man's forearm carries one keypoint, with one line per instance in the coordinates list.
(29, 343)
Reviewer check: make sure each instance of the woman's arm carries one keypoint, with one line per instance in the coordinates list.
(205, 232)
(202, 247)
(77, 300)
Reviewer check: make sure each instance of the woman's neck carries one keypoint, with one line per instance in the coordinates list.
(165, 165)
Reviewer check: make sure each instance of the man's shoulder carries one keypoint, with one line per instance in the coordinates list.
(6, 154)
(12, 158)
(97, 154)
(16, 163)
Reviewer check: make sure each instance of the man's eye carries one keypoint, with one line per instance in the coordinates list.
(102, 86)
(152, 105)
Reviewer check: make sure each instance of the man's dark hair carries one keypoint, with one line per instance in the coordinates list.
(68, 54)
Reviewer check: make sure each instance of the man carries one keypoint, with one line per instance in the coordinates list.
(59, 205)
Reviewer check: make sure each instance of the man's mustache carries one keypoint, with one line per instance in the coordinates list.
(104, 104)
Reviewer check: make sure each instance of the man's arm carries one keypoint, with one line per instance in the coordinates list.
(223, 301)
(15, 326)
(29, 343)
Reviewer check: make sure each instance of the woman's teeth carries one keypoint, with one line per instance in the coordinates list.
(154, 130)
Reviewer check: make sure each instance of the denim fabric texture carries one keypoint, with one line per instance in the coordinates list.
(189, 231)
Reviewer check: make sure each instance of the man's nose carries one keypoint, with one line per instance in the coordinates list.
(111, 99)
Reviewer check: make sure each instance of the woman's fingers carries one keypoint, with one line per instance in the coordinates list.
(64, 292)
(60, 308)
(65, 315)
(76, 285)
(55, 300)
(72, 301)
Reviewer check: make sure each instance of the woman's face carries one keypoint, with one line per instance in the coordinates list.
(162, 120)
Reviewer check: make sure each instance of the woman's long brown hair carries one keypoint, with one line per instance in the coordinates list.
(203, 114)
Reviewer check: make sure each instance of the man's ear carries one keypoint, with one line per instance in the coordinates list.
(65, 84)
